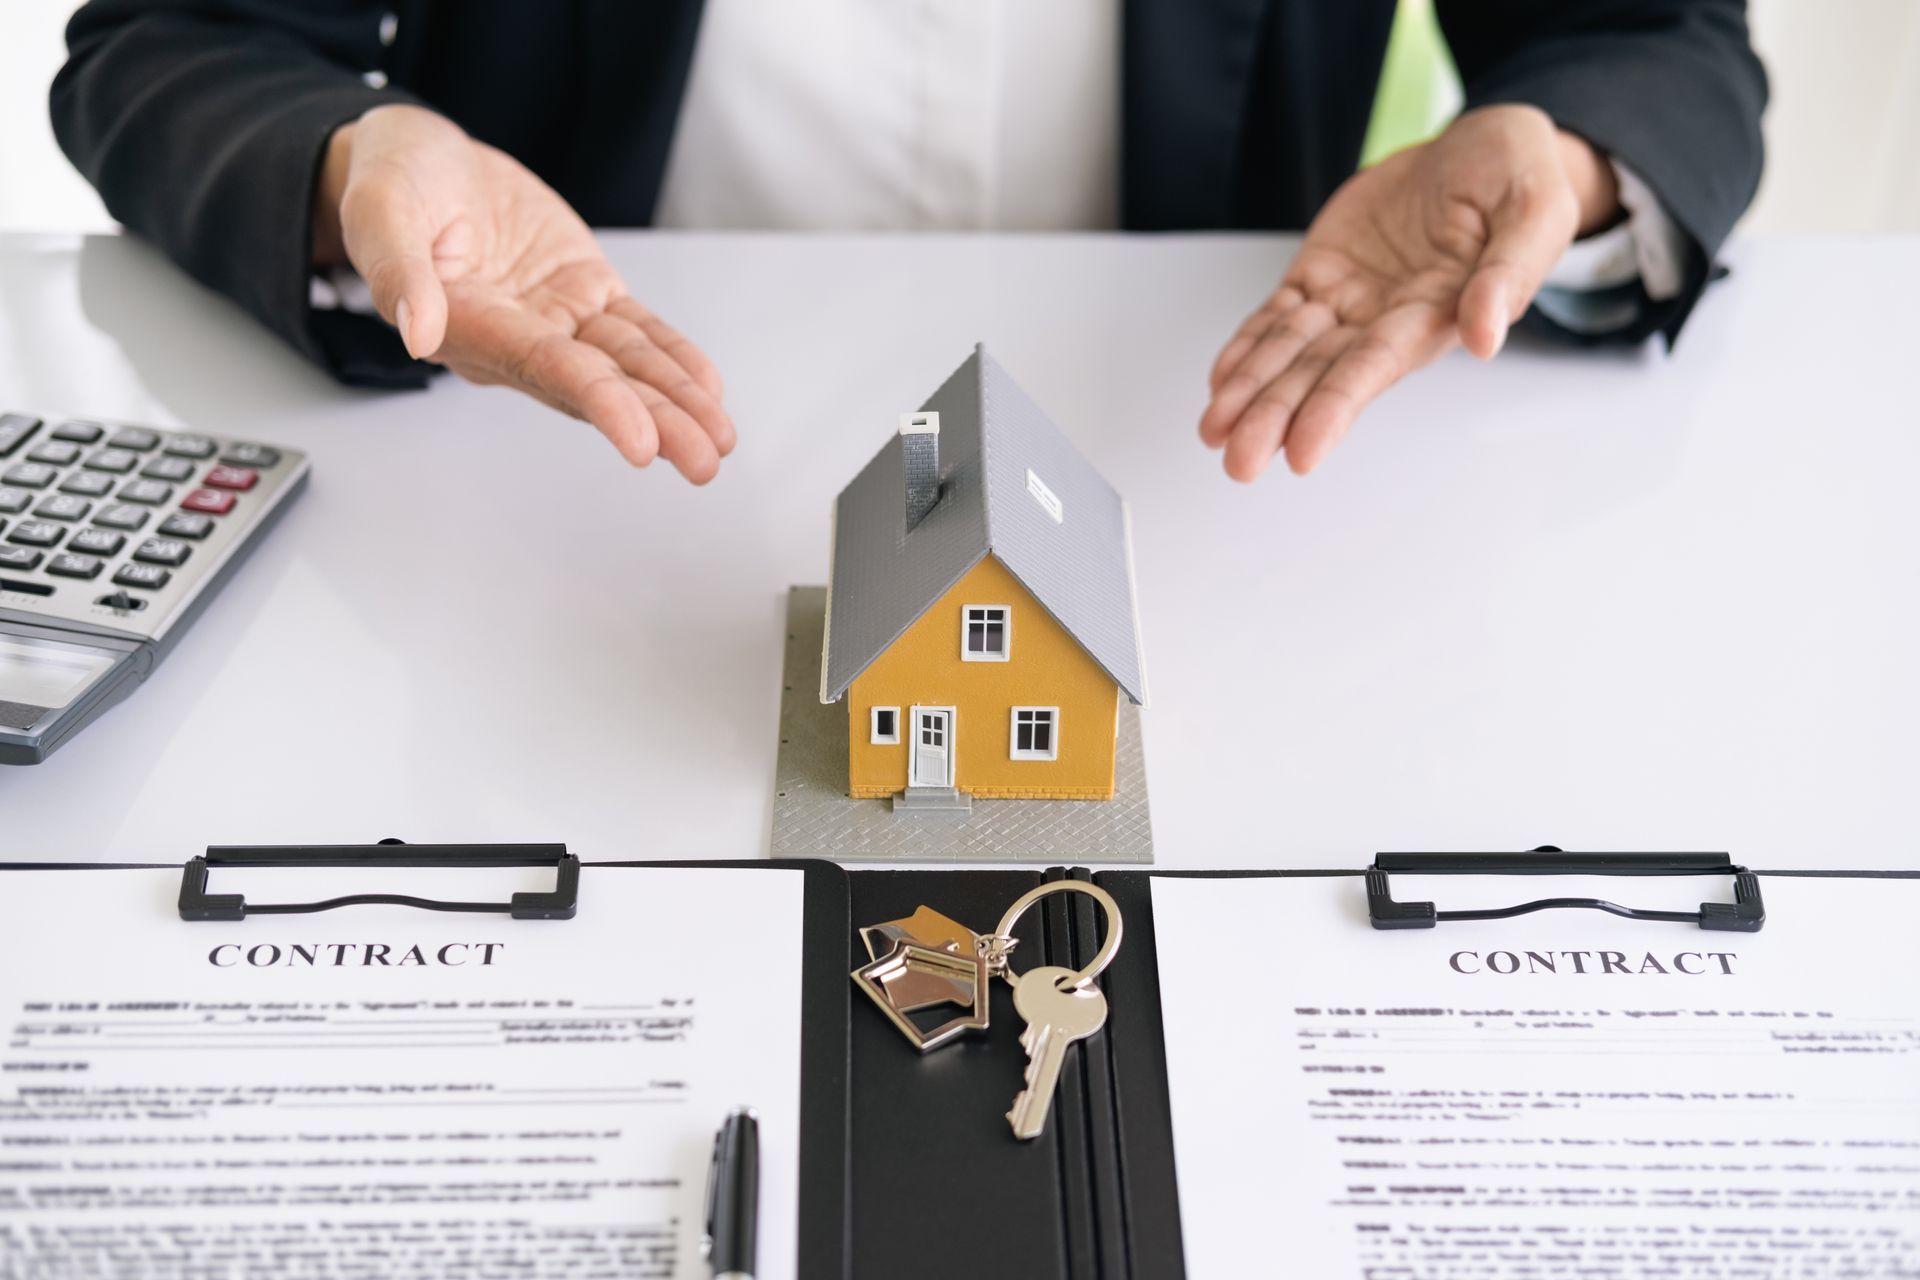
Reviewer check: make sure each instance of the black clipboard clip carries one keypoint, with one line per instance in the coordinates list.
(561, 904)
(1745, 914)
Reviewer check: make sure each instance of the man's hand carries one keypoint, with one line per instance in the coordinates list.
(1441, 243)
(482, 267)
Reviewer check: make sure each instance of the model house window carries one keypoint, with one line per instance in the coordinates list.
(886, 726)
(984, 633)
(1049, 500)
(1036, 733)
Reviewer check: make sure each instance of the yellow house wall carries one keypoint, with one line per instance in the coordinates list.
(1045, 667)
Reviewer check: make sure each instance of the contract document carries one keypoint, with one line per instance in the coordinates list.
(380, 1091)
(1565, 1093)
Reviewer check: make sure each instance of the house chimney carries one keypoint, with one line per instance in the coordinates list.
(920, 452)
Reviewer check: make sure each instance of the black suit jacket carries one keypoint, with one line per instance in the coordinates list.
(202, 122)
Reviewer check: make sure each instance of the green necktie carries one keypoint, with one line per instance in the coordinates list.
(1418, 84)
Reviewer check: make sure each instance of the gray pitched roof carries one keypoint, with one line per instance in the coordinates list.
(991, 436)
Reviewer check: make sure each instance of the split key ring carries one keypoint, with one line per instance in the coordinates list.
(1000, 943)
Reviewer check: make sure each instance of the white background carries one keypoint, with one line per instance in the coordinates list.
(1842, 132)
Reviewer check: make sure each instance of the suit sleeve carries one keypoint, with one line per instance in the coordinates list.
(202, 125)
(1670, 88)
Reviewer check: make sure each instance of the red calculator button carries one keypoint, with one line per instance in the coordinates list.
(211, 501)
(224, 477)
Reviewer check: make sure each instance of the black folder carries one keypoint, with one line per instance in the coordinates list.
(908, 1167)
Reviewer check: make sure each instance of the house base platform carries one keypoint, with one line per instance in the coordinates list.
(814, 817)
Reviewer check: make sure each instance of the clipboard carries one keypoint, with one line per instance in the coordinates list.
(1096, 1197)
(822, 1245)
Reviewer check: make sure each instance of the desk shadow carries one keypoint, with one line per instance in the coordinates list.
(210, 363)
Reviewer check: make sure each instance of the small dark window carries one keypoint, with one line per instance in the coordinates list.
(883, 722)
(1033, 733)
(986, 631)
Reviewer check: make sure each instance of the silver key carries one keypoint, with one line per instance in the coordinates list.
(1055, 1019)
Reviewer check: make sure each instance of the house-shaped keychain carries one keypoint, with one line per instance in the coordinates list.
(982, 625)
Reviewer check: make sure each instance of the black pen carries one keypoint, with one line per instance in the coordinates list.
(733, 1198)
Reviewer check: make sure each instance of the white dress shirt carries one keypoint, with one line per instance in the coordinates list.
(949, 115)
(1586, 292)
(976, 115)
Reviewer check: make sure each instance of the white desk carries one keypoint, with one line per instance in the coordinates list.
(1603, 600)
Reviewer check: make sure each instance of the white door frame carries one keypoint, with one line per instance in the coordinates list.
(913, 751)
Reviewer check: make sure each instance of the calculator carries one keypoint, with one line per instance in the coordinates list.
(113, 538)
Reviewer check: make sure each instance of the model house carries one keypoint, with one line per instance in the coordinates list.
(981, 620)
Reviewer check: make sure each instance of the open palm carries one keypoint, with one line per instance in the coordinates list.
(1442, 243)
(484, 268)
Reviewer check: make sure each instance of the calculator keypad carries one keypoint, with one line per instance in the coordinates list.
(97, 542)
(148, 493)
(117, 461)
(69, 565)
(121, 516)
(250, 455)
(185, 524)
(166, 468)
(167, 551)
(79, 432)
(239, 479)
(30, 475)
(56, 453)
(15, 428)
(87, 484)
(194, 447)
(149, 576)
(64, 506)
(36, 533)
(211, 501)
(138, 514)
(138, 438)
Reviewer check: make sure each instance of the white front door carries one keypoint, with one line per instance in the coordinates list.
(932, 760)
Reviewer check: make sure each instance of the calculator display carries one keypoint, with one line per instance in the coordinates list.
(47, 673)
